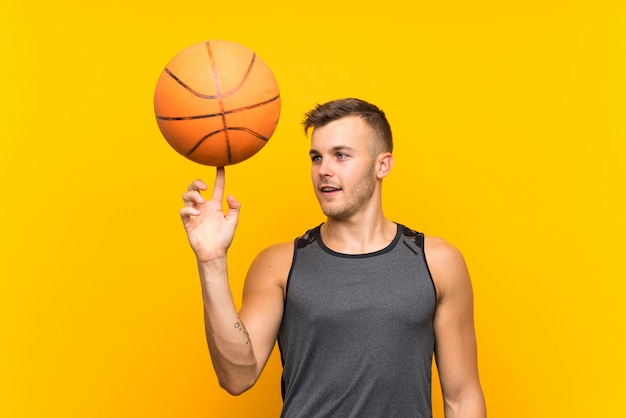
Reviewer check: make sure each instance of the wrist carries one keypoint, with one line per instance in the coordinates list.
(211, 261)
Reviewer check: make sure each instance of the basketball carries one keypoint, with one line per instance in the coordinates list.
(217, 103)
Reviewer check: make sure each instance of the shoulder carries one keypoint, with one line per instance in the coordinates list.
(438, 250)
(275, 256)
(446, 264)
(280, 255)
(278, 251)
(272, 264)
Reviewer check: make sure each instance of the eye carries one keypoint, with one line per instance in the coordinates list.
(315, 158)
(342, 156)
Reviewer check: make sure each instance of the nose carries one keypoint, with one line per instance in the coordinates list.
(324, 168)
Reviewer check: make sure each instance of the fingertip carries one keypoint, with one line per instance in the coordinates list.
(197, 185)
(232, 202)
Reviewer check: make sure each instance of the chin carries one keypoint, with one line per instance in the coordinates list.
(337, 213)
(329, 212)
(337, 210)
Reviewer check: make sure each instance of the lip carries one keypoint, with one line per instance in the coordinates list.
(329, 189)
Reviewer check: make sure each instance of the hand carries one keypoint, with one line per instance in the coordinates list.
(210, 231)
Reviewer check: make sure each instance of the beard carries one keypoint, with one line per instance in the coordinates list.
(353, 199)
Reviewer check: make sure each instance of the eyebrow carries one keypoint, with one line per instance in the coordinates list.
(336, 148)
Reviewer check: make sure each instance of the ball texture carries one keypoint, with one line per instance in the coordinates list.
(217, 103)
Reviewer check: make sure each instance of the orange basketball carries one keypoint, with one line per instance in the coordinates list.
(217, 103)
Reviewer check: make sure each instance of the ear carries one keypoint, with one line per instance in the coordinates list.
(384, 164)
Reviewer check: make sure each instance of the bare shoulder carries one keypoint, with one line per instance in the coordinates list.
(277, 256)
(272, 265)
(447, 265)
(438, 250)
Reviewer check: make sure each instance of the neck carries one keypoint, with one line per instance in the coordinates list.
(352, 236)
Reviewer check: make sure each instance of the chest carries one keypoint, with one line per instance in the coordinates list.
(335, 292)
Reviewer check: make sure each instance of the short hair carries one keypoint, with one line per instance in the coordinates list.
(328, 112)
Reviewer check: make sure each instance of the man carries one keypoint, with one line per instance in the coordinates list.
(358, 305)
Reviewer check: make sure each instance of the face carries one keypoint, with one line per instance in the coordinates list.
(343, 167)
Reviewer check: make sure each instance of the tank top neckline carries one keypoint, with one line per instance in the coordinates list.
(318, 235)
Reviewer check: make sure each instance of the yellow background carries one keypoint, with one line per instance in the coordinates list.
(510, 129)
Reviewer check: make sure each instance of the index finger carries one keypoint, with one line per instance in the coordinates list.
(218, 187)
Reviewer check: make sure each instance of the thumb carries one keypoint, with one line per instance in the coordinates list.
(233, 209)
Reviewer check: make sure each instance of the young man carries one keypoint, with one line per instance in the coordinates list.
(359, 305)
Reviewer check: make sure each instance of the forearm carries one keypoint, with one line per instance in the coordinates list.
(228, 341)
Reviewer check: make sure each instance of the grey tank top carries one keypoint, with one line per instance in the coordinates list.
(357, 335)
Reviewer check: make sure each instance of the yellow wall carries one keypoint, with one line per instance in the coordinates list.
(510, 127)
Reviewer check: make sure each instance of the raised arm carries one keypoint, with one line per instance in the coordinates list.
(238, 353)
(455, 340)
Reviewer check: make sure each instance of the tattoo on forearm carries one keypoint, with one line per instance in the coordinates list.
(239, 326)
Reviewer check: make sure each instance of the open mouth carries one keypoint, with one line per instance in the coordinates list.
(329, 189)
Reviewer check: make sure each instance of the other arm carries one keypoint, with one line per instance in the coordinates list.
(455, 339)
